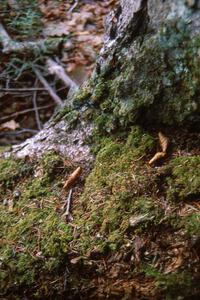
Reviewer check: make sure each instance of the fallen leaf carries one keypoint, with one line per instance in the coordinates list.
(156, 157)
(164, 141)
(72, 178)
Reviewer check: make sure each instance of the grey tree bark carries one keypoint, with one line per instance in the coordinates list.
(147, 72)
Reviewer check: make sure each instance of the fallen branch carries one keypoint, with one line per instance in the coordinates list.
(59, 71)
(27, 48)
(49, 89)
(10, 90)
(23, 112)
(37, 116)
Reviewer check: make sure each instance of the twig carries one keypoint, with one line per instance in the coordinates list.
(4, 37)
(21, 89)
(73, 6)
(23, 130)
(55, 68)
(23, 112)
(67, 205)
(51, 92)
(37, 116)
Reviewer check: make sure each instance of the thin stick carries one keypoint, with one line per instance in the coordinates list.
(37, 116)
(67, 205)
(21, 89)
(4, 37)
(51, 92)
(73, 6)
(68, 202)
(23, 112)
(55, 68)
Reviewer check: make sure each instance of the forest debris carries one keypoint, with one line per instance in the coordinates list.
(76, 260)
(50, 90)
(138, 245)
(35, 106)
(27, 47)
(10, 125)
(67, 205)
(156, 157)
(72, 178)
(135, 220)
(55, 68)
(164, 143)
(10, 205)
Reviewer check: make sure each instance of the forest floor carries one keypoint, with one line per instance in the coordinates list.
(129, 229)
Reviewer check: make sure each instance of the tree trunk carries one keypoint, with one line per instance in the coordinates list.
(147, 73)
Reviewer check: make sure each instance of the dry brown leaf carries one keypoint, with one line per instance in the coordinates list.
(72, 178)
(164, 141)
(156, 157)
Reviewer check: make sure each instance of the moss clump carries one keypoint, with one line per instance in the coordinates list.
(184, 182)
(116, 189)
(51, 164)
(170, 283)
(12, 170)
(34, 236)
(191, 223)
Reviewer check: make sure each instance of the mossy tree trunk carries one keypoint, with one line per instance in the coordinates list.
(135, 230)
(148, 72)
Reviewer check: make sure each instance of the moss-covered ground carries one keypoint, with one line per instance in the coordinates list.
(135, 230)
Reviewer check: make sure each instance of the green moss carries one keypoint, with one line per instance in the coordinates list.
(99, 91)
(191, 224)
(33, 234)
(170, 283)
(117, 189)
(12, 170)
(184, 182)
(82, 96)
(51, 163)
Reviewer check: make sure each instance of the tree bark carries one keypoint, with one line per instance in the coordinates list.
(144, 75)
